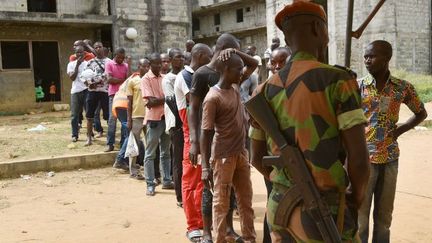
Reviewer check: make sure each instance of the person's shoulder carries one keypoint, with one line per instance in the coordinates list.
(203, 70)
(212, 95)
(72, 62)
(334, 72)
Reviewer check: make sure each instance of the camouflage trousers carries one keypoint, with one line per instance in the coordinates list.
(301, 227)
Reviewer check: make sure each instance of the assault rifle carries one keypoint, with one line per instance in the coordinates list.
(304, 188)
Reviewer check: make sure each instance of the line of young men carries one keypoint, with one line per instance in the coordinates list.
(346, 129)
(213, 122)
(95, 81)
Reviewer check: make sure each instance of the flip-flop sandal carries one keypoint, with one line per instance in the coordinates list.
(194, 236)
(236, 239)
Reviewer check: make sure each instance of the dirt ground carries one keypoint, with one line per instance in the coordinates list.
(105, 206)
(17, 143)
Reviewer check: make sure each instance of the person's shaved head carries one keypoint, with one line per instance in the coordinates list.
(189, 45)
(201, 54)
(234, 59)
(78, 43)
(200, 48)
(173, 51)
(232, 69)
(383, 47)
(143, 61)
(154, 56)
(281, 51)
(227, 41)
(279, 58)
(143, 66)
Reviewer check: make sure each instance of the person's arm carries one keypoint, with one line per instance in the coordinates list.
(73, 75)
(129, 112)
(193, 120)
(410, 124)
(250, 63)
(354, 142)
(112, 80)
(155, 101)
(258, 151)
(206, 138)
(414, 103)
(89, 48)
(205, 145)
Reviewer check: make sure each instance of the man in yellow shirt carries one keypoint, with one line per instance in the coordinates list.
(135, 118)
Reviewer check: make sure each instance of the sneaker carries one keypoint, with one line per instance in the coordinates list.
(180, 204)
(150, 191)
(99, 134)
(88, 142)
(157, 181)
(168, 185)
(74, 139)
(137, 177)
(119, 165)
(109, 148)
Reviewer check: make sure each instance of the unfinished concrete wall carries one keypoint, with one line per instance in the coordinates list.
(18, 86)
(98, 7)
(160, 24)
(253, 16)
(405, 24)
(13, 6)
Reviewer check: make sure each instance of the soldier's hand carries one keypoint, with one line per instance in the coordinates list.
(194, 151)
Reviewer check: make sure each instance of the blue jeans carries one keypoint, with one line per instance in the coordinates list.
(77, 106)
(137, 126)
(112, 125)
(155, 137)
(382, 187)
(96, 122)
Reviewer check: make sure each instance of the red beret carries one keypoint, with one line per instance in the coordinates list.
(300, 7)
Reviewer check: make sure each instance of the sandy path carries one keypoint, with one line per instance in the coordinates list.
(104, 206)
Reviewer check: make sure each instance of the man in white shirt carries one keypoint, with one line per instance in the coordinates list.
(78, 91)
(172, 120)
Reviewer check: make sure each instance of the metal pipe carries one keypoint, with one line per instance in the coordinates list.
(349, 33)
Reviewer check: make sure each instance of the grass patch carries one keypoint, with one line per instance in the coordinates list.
(422, 83)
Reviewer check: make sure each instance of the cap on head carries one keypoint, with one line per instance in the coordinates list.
(300, 7)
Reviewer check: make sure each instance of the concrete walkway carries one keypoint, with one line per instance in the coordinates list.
(95, 160)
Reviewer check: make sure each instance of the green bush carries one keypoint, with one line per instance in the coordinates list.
(422, 83)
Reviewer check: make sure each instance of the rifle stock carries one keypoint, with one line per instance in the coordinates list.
(292, 159)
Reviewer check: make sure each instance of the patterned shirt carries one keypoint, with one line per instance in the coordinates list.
(382, 112)
(313, 102)
(100, 79)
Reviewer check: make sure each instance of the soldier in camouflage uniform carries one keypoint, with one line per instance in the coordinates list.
(318, 108)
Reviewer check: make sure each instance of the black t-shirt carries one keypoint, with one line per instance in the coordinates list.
(203, 79)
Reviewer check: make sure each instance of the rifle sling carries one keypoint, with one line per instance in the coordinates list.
(290, 200)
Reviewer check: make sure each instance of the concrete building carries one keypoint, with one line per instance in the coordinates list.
(407, 25)
(36, 38)
(245, 19)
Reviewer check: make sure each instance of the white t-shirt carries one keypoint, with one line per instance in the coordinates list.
(77, 84)
(181, 89)
(168, 89)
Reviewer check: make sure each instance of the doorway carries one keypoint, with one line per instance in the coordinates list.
(46, 69)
